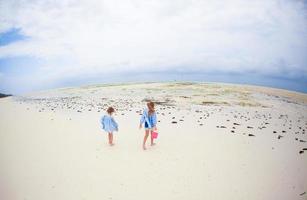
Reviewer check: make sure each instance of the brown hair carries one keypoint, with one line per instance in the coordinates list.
(151, 107)
(110, 110)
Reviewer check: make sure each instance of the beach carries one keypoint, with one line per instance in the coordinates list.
(216, 141)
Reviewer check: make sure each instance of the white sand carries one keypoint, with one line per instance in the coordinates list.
(63, 154)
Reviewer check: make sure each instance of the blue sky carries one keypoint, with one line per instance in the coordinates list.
(47, 44)
(10, 36)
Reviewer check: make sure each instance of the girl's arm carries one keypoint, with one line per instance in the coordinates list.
(102, 121)
(115, 123)
(154, 119)
(142, 120)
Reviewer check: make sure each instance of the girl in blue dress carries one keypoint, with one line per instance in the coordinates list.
(109, 124)
(149, 118)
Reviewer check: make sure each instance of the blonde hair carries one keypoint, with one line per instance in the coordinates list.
(151, 107)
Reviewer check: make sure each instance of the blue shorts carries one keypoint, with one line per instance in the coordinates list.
(147, 127)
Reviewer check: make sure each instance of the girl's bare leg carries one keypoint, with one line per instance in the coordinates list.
(145, 139)
(151, 139)
(110, 139)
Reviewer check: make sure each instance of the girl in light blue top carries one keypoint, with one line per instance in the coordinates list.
(109, 124)
(149, 118)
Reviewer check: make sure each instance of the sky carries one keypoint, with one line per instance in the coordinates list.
(48, 43)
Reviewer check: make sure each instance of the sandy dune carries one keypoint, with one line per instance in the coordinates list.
(216, 141)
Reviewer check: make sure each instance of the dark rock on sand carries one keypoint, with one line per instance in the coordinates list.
(4, 95)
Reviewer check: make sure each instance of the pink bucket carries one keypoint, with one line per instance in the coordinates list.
(154, 134)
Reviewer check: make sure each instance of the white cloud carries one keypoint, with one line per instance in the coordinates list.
(93, 36)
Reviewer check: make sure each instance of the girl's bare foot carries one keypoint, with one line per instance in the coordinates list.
(144, 148)
(152, 144)
(111, 144)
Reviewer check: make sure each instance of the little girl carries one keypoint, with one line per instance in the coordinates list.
(109, 124)
(150, 118)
